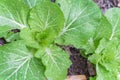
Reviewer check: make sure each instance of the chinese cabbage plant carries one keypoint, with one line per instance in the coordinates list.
(32, 53)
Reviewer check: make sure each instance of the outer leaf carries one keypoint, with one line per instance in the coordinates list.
(12, 37)
(56, 61)
(109, 25)
(113, 17)
(13, 13)
(76, 30)
(4, 30)
(32, 3)
(103, 30)
(17, 63)
(103, 74)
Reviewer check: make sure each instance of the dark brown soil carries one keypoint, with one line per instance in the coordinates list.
(80, 65)
(106, 4)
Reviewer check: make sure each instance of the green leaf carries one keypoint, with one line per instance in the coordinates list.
(95, 58)
(46, 22)
(103, 30)
(56, 61)
(4, 31)
(103, 43)
(17, 63)
(107, 53)
(107, 59)
(109, 25)
(46, 37)
(111, 55)
(92, 78)
(32, 3)
(113, 17)
(13, 13)
(103, 74)
(81, 20)
(45, 16)
(29, 37)
(11, 36)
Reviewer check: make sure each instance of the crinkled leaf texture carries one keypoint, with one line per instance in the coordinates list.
(81, 20)
(30, 39)
(104, 74)
(107, 54)
(107, 59)
(17, 63)
(13, 13)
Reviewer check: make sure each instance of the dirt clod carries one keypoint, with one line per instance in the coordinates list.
(2, 41)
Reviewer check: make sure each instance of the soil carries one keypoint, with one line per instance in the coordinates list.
(80, 65)
(106, 4)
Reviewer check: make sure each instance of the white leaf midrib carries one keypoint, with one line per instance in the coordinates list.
(50, 55)
(12, 21)
(18, 68)
(113, 29)
(66, 27)
(17, 60)
(29, 3)
(26, 71)
(76, 17)
(8, 11)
